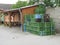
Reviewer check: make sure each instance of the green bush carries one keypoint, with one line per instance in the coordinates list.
(40, 9)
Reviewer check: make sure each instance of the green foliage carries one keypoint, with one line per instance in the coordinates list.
(57, 2)
(40, 9)
(48, 3)
(23, 3)
(13, 6)
(19, 4)
(33, 2)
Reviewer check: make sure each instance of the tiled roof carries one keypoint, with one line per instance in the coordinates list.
(5, 6)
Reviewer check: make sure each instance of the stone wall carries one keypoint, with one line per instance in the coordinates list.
(55, 14)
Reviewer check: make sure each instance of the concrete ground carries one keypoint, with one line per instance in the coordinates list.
(14, 36)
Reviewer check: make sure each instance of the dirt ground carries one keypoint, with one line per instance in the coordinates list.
(14, 36)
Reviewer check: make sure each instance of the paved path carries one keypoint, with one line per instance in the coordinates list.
(13, 36)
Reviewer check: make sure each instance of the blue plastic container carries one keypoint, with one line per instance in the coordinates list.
(24, 27)
(38, 16)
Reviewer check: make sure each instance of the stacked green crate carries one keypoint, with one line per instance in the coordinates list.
(32, 26)
(36, 25)
(52, 27)
(49, 27)
(39, 28)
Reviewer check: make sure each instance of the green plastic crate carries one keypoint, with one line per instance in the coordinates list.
(31, 16)
(47, 24)
(34, 32)
(36, 24)
(38, 28)
(42, 33)
(32, 20)
(53, 32)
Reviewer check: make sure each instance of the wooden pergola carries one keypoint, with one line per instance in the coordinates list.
(12, 17)
(22, 12)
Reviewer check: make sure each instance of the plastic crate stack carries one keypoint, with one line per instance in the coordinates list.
(39, 28)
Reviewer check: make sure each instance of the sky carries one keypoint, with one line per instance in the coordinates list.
(9, 1)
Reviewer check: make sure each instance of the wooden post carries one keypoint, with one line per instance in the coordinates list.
(9, 13)
(4, 21)
(21, 16)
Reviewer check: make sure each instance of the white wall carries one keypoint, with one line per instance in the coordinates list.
(55, 14)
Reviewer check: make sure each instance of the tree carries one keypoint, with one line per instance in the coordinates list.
(48, 3)
(19, 4)
(40, 9)
(33, 2)
(24, 3)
